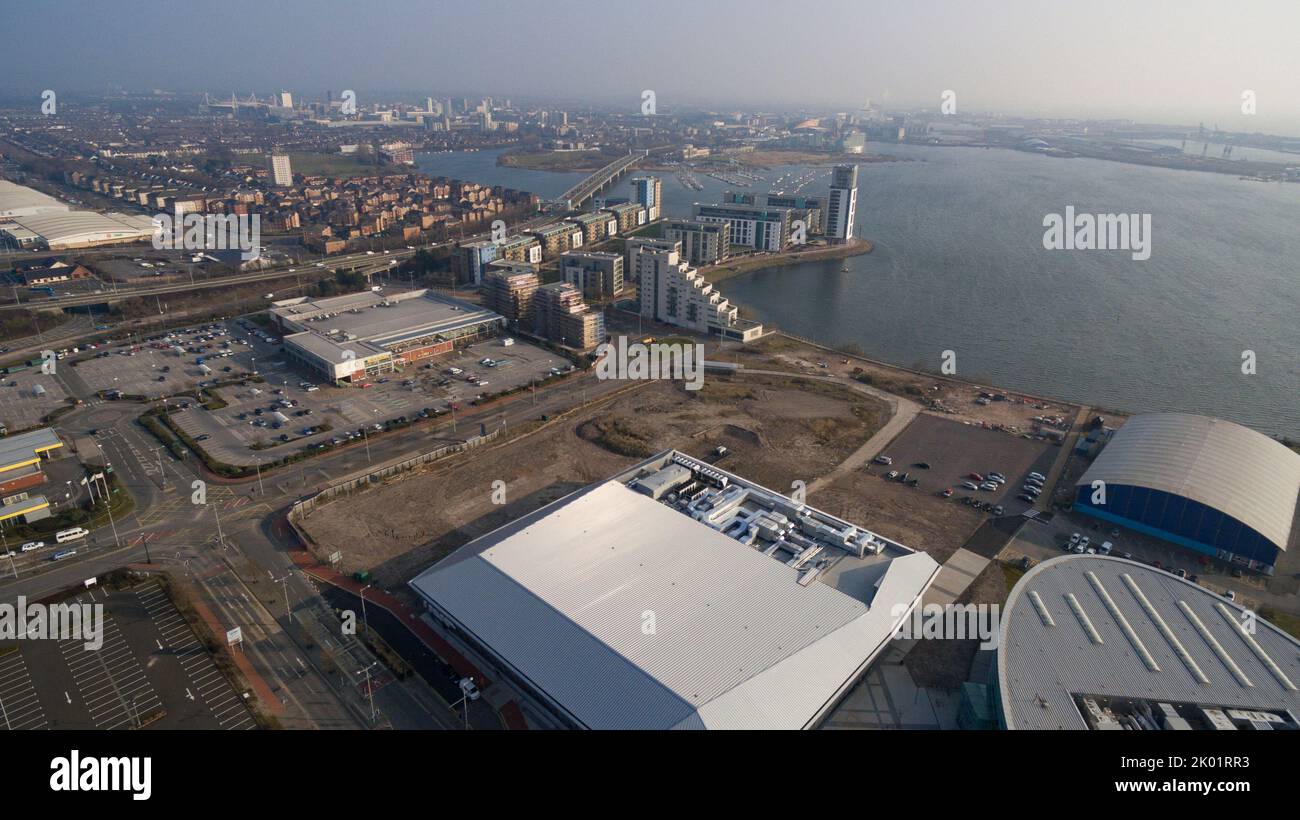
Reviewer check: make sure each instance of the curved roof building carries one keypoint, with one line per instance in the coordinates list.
(1092, 642)
(1203, 483)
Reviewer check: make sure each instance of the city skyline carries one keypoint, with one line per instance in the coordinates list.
(1160, 62)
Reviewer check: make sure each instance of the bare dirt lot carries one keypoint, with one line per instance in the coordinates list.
(1004, 410)
(400, 528)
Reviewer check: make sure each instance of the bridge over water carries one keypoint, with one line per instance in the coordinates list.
(576, 196)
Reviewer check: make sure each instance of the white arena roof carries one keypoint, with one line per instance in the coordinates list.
(19, 200)
(73, 229)
(740, 639)
(1118, 630)
(1241, 473)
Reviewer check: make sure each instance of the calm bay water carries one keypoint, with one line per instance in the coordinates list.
(959, 265)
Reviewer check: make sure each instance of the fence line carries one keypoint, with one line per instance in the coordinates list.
(301, 509)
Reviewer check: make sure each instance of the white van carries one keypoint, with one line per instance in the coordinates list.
(73, 534)
(32, 545)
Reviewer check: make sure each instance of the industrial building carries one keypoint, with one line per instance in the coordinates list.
(19, 201)
(677, 595)
(1206, 484)
(21, 457)
(63, 230)
(362, 335)
(1093, 642)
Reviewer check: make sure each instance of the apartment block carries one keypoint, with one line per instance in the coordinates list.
(598, 275)
(508, 289)
(703, 242)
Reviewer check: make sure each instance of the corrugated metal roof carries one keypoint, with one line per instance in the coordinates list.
(1233, 469)
(1040, 666)
(563, 596)
(24, 446)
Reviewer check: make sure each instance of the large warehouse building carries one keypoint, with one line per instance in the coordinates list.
(677, 595)
(1092, 642)
(19, 201)
(54, 230)
(1206, 484)
(363, 335)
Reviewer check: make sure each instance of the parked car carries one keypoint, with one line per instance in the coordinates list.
(969, 485)
(883, 460)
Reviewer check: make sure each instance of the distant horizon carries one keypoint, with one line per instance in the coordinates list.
(393, 96)
(1158, 62)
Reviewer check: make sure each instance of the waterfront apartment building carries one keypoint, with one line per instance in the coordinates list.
(671, 291)
(630, 216)
(595, 226)
(752, 226)
(703, 243)
(648, 192)
(508, 289)
(598, 275)
(281, 172)
(560, 315)
(812, 208)
(841, 210)
(557, 238)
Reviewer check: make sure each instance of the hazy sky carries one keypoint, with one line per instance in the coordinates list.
(1155, 60)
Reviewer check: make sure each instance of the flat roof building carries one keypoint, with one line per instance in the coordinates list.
(1094, 642)
(678, 595)
(347, 338)
(598, 275)
(752, 226)
(19, 201)
(508, 289)
(703, 242)
(61, 230)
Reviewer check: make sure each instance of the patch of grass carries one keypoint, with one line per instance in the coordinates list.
(1284, 621)
(618, 435)
(1011, 574)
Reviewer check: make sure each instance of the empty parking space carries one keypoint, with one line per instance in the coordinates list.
(151, 671)
(205, 681)
(112, 685)
(20, 705)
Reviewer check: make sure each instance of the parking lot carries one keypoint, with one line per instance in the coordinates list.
(954, 451)
(151, 671)
(152, 368)
(248, 426)
(22, 405)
